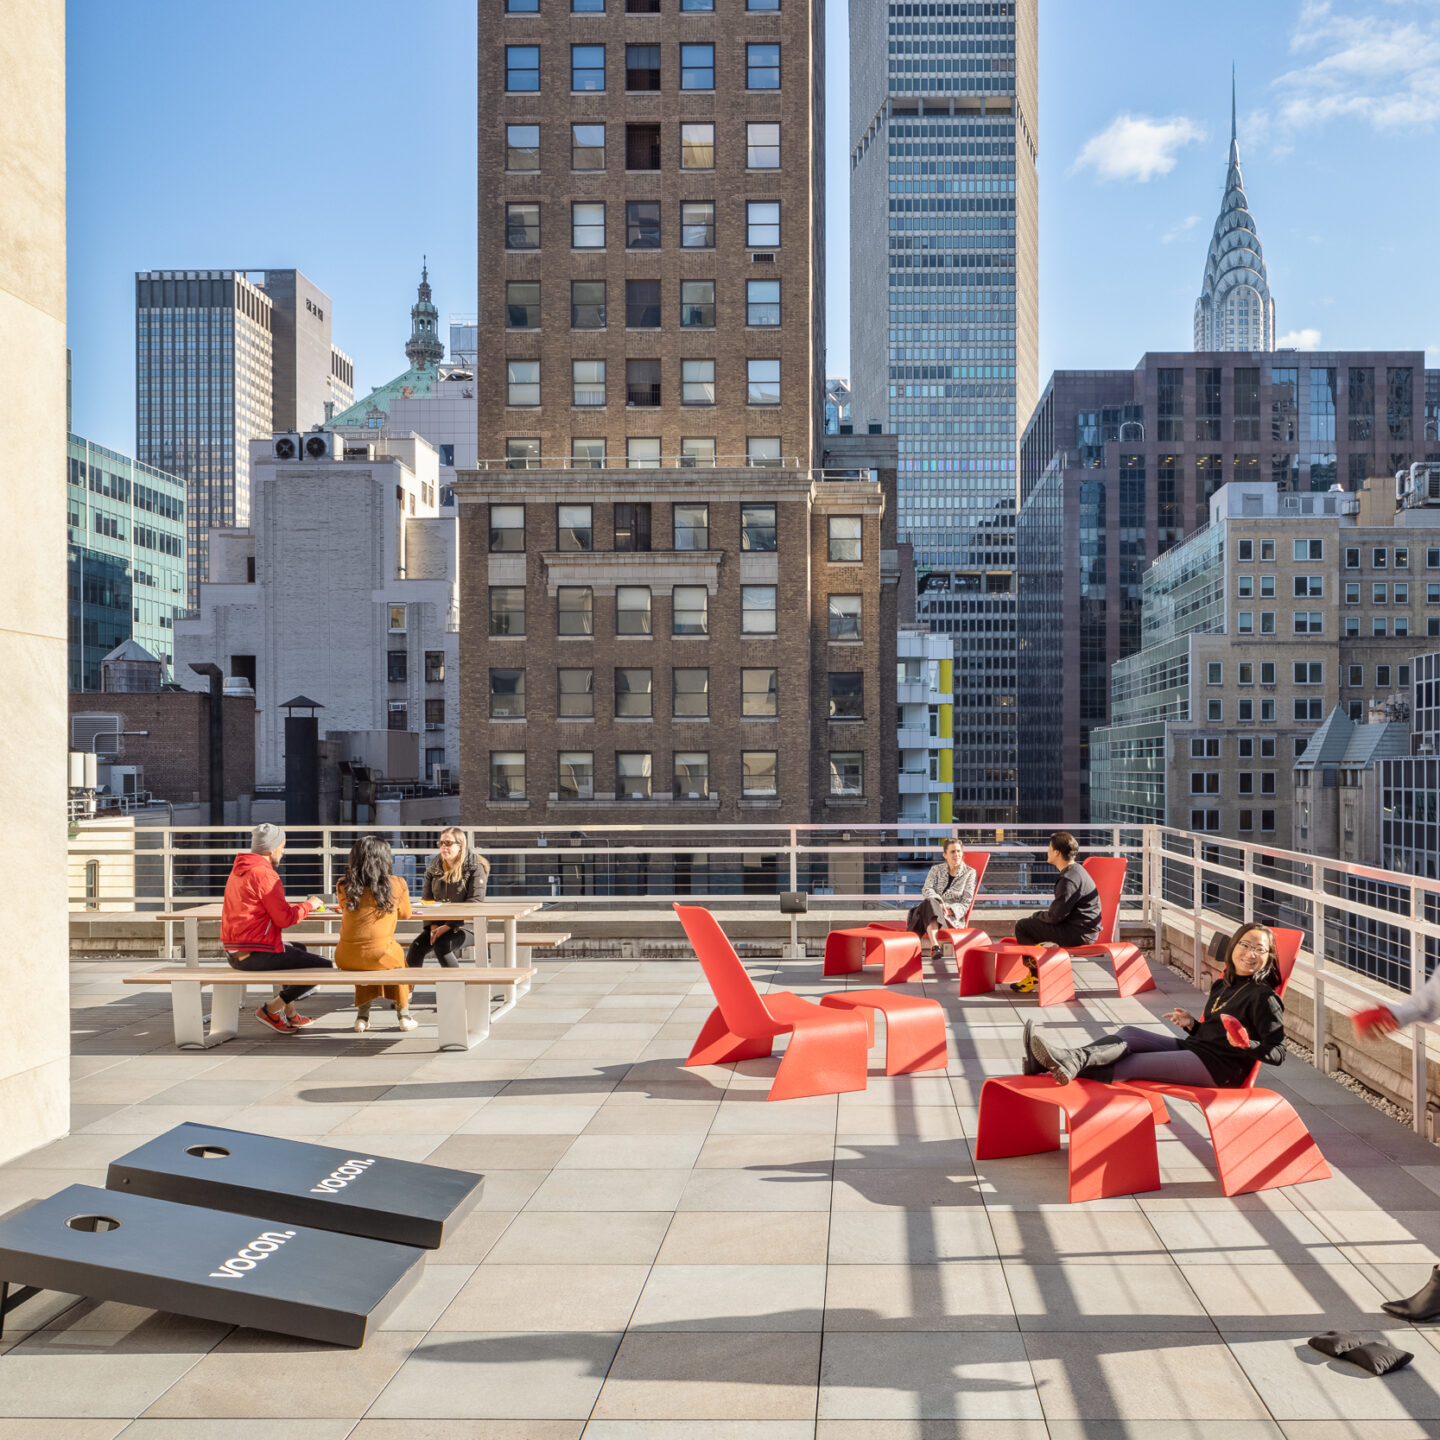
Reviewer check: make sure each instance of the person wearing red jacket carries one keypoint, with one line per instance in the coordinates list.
(253, 921)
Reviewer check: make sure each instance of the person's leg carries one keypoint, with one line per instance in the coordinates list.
(1144, 1042)
(1177, 1067)
(449, 946)
(1094, 1060)
(419, 948)
(297, 957)
(1025, 932)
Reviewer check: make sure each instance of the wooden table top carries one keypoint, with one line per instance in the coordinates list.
(439, 914)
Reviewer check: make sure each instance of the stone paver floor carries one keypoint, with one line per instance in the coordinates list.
(661, 1253)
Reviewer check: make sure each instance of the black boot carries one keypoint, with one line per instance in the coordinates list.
(1423, 1305)
(1095, 1060)
(1029, 1065)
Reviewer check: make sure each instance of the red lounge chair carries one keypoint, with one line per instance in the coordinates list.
(1112, 1144)
(1132, 974)
(959, 940)
(828, 1049)
(896, 950)
(1260, 1142)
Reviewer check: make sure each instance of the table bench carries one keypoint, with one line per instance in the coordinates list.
(462, 996)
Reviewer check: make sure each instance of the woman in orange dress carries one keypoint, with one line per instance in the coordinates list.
(372, 899)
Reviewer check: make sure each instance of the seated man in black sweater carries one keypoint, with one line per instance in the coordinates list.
(1073, 916)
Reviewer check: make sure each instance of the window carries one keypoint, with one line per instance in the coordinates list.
(1309, 672)
(575, 694)
(1267, 622)
(1352, 592)
(1382, 677)
(697, 67)
(522, 147)
(1215, 673)
(587, 67)
(690, 694)
(587, 147)
(507, 774)
(522, 304)
(1309, 622)
(697, 147)
(762, 4)
(587, 453)
(632, 777)
(507, 528)
(632, 610)
(507, 694)
(642, 7)
(434, 667)
(762, 146)
(762, 302)
(574, 527)
(762, 382)
(847, 774)
(844, 617)
(1308, 587)
(1267, 710)
(1354, 676)
(762, 450)
(1352, 557)
(697, 4)
(697, 303)
(757, 527)
(523, 382)
(762, 224)
(575, 775)
(642, 146)
(697, 225)
(1245, 673)
(762, 67)
(759, 694)
(522, 225)
(847, 695)
(1267, 550)
(1267, 587)
(575, 610)
(1309, 549)
(1205, 746)
(632, 527)
(697, 382)
(1267, 820)
(844, 538)
(522, 453)
(758, 774)
(1247, 820)
(1432, 592)
(587, 304)
(1402, 625)
(691, 610)
(634, 694)
(587, 7)
(397, 667)
(1267, 747)
(642, 225)
(642, 67)
(691, 527)
(1215, 710)
(1245, 622)
(1402, 557)
(587, 225)
(642, 452)
(696, 450)
(1402, 593)
(642, 304)
(1245, 711)
(1402, 676)
(691, 775)
(507, 610)
(1244, 550)
(519, 7)
(1245, 586)
(642, 385)
(1204, 782)
(522, 67)
(1377, 557)
(1379, 625)
(1309, 709)
(1432, 557)
(1267, 672)
(757, 610)
(587, 381)
(1379, 594)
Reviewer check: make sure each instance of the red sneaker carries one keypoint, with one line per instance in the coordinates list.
(275, 1022)
(299, 1022)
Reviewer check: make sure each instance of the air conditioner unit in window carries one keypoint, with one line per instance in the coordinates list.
(285, 447)
(763, 257)
(323, 445)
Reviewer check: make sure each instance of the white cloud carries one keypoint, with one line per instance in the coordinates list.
(1308, 339)
(1135, 147)
(1380, 69)
(1180, 228)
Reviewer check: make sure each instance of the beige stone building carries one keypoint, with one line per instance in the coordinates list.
(1254, 629)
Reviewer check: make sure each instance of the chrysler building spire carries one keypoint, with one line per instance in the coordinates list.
(1234, 311)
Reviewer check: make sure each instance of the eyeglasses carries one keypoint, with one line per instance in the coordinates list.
(1253, 947)
(449, 844)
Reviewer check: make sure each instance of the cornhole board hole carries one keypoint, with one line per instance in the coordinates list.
(290, 1182)
(235, 1269)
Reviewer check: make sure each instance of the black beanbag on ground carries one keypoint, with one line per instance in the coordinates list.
(1375, 1357)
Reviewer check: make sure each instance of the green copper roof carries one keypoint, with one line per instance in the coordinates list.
(417, 382)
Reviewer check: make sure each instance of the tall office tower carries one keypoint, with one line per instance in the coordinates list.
(945, 328)
(1234, 311)
(223, 357)
(1118, 466)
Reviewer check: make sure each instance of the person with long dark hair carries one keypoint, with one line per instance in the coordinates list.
(1243, 1020)
(372, 899)
(453, 877)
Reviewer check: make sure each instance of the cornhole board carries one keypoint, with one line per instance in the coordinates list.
(294, 1183)
(235, 1269)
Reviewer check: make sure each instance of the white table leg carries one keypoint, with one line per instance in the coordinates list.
(226, 1003)
(462, 1014)
(512, 931)
(192, 941)
(187, 1006)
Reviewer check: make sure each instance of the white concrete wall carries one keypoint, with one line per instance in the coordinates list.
(34, 963)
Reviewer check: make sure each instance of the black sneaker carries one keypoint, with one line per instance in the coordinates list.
(1029, 1065)
(275, 1022)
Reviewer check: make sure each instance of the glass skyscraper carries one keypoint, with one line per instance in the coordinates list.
(944, 342)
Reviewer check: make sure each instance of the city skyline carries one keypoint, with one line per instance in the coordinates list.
(1136, 161)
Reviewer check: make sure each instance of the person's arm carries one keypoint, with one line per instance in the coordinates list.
(930, 890)
(474, 882)
(962, 898)
(427, 887)
(281, 912)
(1067, 892)
(1268, 1045)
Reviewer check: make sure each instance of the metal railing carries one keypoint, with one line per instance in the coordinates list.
(1374, 927)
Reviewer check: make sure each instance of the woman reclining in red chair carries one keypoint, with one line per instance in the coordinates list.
(1243, 1021)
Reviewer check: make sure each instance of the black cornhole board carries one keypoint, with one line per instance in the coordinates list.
(290, 1182)
(193, 1261)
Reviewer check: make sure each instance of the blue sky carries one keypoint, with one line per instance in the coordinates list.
(340, 138)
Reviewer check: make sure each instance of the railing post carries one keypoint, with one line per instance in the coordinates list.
(1318, 1025)
(793, 949)
(1147, 913)
(1419, 1068)
(1197, 894)
(167, 861)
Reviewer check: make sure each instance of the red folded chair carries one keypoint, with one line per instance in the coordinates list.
(828, 1049)
(959, 940)
(1260, 1142)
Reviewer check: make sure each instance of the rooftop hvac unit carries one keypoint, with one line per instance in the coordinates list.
(323, 445)
(285, 447)
(95, 725)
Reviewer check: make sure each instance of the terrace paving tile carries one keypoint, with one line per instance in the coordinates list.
(612, 1237)
(965, 1295)
(1298, 1383)
(548, 1298)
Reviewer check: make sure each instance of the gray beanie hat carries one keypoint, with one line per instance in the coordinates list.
(265, 839)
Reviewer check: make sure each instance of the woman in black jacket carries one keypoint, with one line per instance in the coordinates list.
(1243, 1021)
(452, 877)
